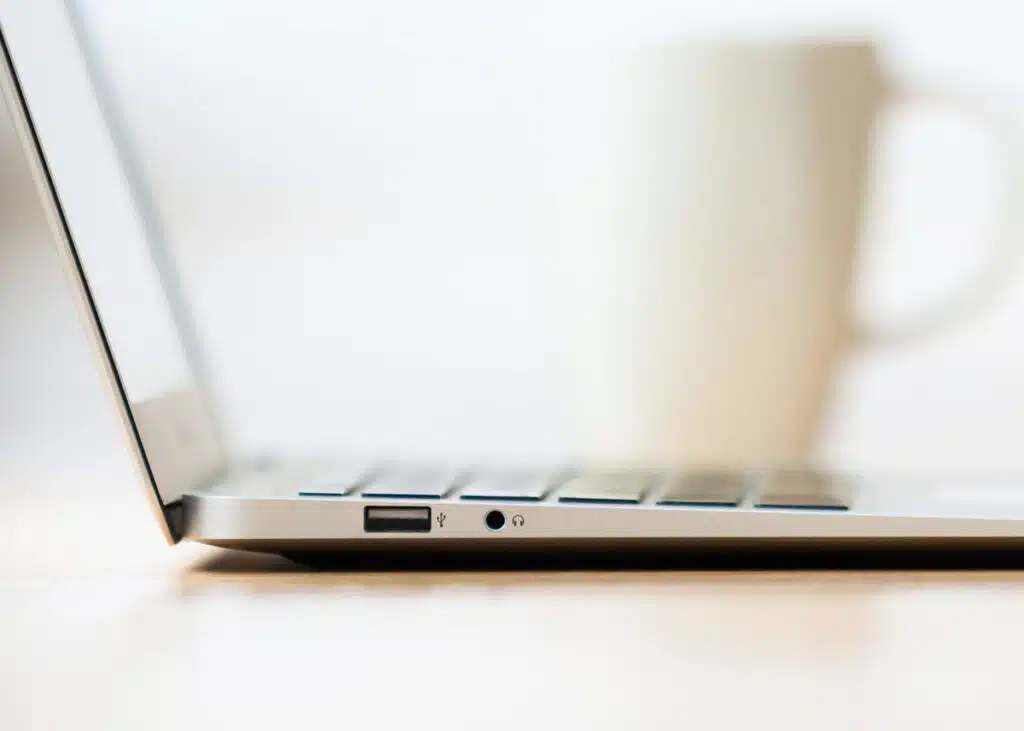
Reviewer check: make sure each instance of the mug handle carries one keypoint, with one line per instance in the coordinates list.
(1006, 248)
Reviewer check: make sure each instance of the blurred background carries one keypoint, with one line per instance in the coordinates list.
(361, 277)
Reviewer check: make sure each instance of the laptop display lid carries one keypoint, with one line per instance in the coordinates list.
(110, 245)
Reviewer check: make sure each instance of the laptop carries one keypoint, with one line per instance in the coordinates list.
(201, 491)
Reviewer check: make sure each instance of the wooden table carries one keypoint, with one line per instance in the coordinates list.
(102, 626)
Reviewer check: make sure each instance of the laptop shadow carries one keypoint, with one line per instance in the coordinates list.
(231, 562)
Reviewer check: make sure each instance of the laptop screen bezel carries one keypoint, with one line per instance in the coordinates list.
(173, 437)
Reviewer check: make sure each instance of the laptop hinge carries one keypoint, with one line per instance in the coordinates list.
(175, 515)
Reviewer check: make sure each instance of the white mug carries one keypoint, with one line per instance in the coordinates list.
(705, 203)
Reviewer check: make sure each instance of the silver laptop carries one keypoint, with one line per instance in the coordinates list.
(201, 491)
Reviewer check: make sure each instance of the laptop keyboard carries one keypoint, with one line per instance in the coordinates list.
(762, 490)
(803, 490)
(707, 489)
(336, 481)
(624, 489)
(425, 483)
(522, 486)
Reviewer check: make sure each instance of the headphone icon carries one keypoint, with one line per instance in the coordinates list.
(518, 521)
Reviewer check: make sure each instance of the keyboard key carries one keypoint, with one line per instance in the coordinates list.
(709, 489)
(619, 489)
(804, 490)
(335, 481)
(520, 486)
(421, 483)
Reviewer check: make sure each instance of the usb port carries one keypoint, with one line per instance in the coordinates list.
(396, 519)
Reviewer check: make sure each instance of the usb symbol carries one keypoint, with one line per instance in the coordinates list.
(440, 520)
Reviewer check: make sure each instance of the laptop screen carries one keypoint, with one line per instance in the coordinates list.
(112, 248)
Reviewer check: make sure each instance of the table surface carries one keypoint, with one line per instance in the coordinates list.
(102, 625)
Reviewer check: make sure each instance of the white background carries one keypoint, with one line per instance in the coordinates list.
(272, 183)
